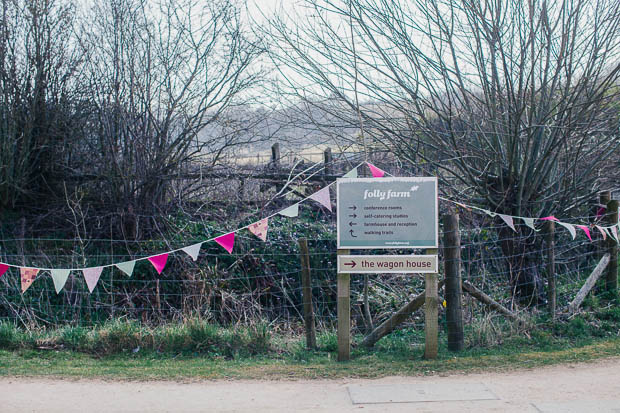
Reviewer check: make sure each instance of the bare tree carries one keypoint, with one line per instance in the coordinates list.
(512, 104)
(38, 63)
(160, 75)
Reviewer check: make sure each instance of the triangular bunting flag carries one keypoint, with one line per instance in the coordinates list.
(260, 228)
(614, 232)
(60, 278)
(3, 269)
(91, 275)
(549, 218)
(322, 197)
(570, 228)
(126, 267)
(530, 223)
(351, 174)
(193, 250)
(602, 230)
(586, 230)
(600, 211)
(376, 172)
(159, 262)
(291, 211)
(226, 241)
(28, 275)
(508, 220)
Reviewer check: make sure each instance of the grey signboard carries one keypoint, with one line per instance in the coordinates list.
(387, 212)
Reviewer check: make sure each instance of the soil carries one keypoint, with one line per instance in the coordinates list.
(579, 387)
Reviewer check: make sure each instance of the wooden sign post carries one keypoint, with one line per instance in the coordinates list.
(344, 314)
(386, 213)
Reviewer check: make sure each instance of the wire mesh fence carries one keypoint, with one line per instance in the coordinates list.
(261, 282)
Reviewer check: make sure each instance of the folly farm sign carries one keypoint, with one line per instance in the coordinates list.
(387, 213)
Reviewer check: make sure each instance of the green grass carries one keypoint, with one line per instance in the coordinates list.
(196, 349)
(319, 364)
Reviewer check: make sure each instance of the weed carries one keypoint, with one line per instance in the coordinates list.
(74, 338)
(10, 336)
(117, 336)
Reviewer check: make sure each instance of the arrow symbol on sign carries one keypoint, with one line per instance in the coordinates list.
(353, 216)
(352, 223)
(351, 231)
(352, 264)
(353, 207)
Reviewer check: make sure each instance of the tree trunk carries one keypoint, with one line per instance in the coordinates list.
(522, 267)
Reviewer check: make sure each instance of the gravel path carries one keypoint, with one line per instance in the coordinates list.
(580, 388)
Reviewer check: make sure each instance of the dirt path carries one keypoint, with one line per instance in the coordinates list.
(580, 388)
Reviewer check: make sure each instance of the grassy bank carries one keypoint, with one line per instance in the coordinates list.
(198, 350)
(317, 365)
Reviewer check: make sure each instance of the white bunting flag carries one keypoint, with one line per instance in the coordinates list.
(126, 267)
(291, 211)
(322, 197)
(614, 233)
(193, 250)
(603, 232)
(351, 174)
(60, 278)
(508, 220)
(91, 275)
(570, 229)
(530, 223)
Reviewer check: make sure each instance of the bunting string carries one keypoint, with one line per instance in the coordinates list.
(159, 261)
(260, 229)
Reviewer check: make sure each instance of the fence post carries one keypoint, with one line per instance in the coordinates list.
(603, 199)
(327, 161)
(550, 240)
(611, 283)
(306, 292)
(452, 266)
(431, 314)
(275, 154)
(344, 314)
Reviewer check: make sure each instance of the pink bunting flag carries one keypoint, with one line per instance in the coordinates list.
(28, 275)
(602, 230)
(3, 269)
(586, 230)
(549, 218)
(508, 220)
(91, 275)
(260, 228)
(322, 197)
(226, 241)
(600, 212)
(159, 262)
(376, 172)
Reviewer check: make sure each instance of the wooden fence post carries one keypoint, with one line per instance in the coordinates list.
(603, 199)
(452, 266)
(611, 282)
(275, 154)
(327, 161)
(431, 314)
(306, 293)
(550, 240)
(344, 314)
